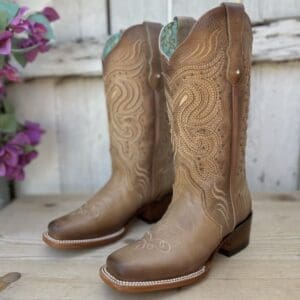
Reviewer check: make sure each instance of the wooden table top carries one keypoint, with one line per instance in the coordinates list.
(268, 269)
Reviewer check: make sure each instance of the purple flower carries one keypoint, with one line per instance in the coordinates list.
(10, 72)
(37, 31)
(16, 173)
(19, 16)
(20, 139)
(13, 157)
(30, 55)
(18, 24)
(9, 155)
(50, 13)
(26, 158)
(36, 41)
(5, 42)
(33, 132)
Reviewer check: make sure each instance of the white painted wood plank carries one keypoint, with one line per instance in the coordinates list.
(68, 59)
(35, 101)
(127, 13)
(277, 41)
(84, 161)
(274, 130)
(35, 5)
(262, 10)
(193, 8)
(79, 19)
(258, 10)
(267, 269)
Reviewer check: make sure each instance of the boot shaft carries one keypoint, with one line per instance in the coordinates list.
(206, 79)
(138, 126)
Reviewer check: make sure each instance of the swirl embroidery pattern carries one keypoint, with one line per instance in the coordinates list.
(150, 243)
(124, 88)
(198, 129)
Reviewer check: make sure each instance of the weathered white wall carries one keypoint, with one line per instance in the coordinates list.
(80, 19)
(70, 103)
(74, 151)
(273, 149)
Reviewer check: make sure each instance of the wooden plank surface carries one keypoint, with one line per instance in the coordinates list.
(268, 269)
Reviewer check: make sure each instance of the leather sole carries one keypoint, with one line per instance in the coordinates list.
(84, 243)
(149, 213)
(230, 245)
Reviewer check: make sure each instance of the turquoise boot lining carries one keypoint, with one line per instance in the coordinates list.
(111, 43)
(168, 40)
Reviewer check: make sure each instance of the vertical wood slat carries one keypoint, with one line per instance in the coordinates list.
(81, 19)
(84, 161)
(74, 153)
(264, 10)
(35, 101)
(274, 128)
(127, 13)
(193, 9)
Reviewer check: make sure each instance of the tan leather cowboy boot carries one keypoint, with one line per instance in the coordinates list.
(141, 151)
(206, 70)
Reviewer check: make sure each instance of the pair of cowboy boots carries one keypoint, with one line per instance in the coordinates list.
(205, 68)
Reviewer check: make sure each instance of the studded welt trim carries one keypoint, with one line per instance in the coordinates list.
(83, 241)
(151, 282)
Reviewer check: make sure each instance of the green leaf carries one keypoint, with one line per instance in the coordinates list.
(2, 60)
(20, 58)
(28, 148)
(15, 42)
(40, 18)
(8, 123)
(10, 8)
(18, 55)
(8, 108)
(3, 20)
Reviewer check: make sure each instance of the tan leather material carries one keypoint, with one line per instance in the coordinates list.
(140, 147)
(208, 116)
(234, 30)
(185, 25)
(154, 77)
